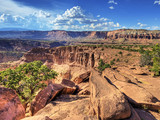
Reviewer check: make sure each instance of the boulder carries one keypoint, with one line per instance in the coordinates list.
(50, 92)
(10, 105)
(66, 107)
(69, 87)
(107, 101)
(82, 77)
(45, 96)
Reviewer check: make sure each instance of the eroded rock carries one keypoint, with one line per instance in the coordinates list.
(10, 105)
(107, 101)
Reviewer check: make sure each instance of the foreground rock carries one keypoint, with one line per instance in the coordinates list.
(65, 107)
(45, 96)
(107, 101)
(82, 78)
(10, 105)
(50, 92)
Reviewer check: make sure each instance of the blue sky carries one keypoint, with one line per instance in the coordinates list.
(80, 15)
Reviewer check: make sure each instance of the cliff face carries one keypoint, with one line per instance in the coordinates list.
(133, 34)
(127, 34)
(13, 50)
(63, 55)
(87, 56)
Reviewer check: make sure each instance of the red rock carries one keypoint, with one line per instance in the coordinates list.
(69, 87)
(10, 105)
(107, 101)
(45, 96)
(82, 78)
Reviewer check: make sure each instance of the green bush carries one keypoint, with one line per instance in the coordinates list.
(26, 79)
(145, 58)
(151, 58)
(112, 62)
(102, 66)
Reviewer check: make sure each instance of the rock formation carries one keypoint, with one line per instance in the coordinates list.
(80, 92)
(122, 35)
(10, 105)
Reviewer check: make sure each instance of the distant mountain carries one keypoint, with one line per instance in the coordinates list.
(13, 29)
(122, 35)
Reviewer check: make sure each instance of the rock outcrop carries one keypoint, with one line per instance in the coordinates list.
(50, 92)
(10, 105)
(107, 102)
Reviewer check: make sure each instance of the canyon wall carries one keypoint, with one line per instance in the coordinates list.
(60, 35)
(86, 56)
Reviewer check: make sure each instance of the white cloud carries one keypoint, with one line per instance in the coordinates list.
(76, 19)
(155, 27)
(157, 2)
(111, 7)
(42, 14)
(112, 2)
(98, 16)
(72, 19)
(11, 7)
(141, 25)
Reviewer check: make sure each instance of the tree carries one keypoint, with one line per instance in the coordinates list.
(156, 59)
(26, 79)
(102, 65)
(146, 58)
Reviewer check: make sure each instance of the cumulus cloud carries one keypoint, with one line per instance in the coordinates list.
(76, 19)
(111, 7)
(72, 19)
(157, 2)
(112, 2)
(141, 25)
(37, 20)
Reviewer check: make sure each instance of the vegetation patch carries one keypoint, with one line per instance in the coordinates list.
(27, 79)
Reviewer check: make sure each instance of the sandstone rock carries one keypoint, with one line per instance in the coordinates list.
(85, 91)
(107, 101)
(45, 96)
(10, 105)
(82, 78)
(67, 75)
(69, 87)
(67, 108)
(136, 93)
(114, 75)
(83, 88)
(38, 117)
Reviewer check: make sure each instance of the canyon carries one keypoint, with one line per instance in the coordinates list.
(125, 91)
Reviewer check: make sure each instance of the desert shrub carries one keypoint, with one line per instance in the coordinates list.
(112, 62)
(26, 79)
(145, 58)
(120, 52)
(117, 60)
(156, 59)
(102, 66)
(152, 58)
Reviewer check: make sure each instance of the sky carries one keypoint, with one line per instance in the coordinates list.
(80, 15)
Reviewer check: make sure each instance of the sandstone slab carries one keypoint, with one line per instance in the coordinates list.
(107, 101)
